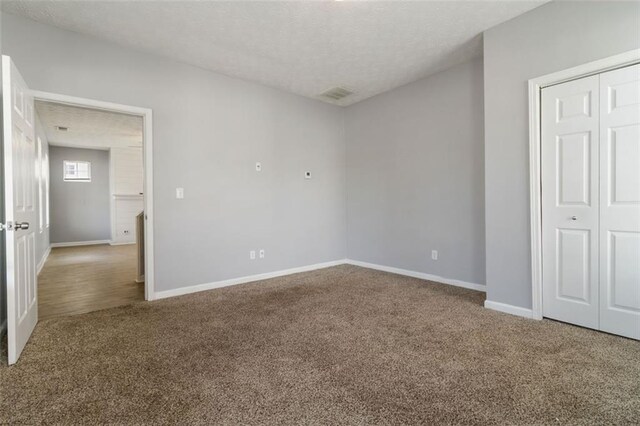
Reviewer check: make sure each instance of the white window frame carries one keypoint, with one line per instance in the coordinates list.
(77, 162)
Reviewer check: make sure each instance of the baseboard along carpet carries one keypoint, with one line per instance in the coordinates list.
(342, 345)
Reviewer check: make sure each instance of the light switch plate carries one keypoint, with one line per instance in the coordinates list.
(179, 193)
(258, 167)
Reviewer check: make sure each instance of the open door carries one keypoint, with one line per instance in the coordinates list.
(20, 212)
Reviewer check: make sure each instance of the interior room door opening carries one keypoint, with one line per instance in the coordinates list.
(117, 200)
(19, 173)
(90, 203)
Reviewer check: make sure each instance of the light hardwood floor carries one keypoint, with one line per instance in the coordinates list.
(82, 279)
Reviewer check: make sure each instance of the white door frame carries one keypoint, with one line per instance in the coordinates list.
(535, 86)
(147, 144)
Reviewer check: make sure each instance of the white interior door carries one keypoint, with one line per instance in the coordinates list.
(620, 201)
(20, 213)
(570, 201)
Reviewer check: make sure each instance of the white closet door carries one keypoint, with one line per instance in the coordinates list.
(570, 124)
(620, 201)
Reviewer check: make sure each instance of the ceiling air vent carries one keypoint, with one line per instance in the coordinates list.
(62, 128)
(337, 93)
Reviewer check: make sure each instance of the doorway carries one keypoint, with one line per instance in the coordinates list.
(90, 236)
(27, 176)
(590, 201)
(118, 236)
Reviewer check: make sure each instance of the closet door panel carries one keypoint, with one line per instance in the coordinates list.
(620, 202)
(570, 137)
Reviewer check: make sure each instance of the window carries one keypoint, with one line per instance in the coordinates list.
(77, 171)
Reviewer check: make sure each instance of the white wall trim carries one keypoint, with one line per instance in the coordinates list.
(112, 243)
(242, 280)
(79, 243)
(509, 309)
(79, 146)
(420, 275)
(147, 144)
(45, 256)
(535, 175)
(265, 276)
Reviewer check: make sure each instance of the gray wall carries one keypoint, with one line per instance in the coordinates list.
(209, 130)
(42, 235)
(80, 211)
(415, 176)
(551, 38)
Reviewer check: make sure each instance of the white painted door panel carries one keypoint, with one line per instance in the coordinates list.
(20, 191)
(620, 201)
(570, 201)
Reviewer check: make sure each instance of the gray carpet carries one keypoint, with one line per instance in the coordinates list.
(343, 345)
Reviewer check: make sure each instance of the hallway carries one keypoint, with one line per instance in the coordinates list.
(83, 279)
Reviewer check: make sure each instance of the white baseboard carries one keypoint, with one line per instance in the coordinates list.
(115, 243)
(81, 243)
(234, 281)
(420, 275)
(45, 256)
(251, 278)
(509, 309)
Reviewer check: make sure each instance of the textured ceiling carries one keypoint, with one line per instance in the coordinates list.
(89, 128)
(302, 47)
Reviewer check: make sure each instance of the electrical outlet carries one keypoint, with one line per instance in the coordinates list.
(434, 254)
(252, 255)
(258, 167)
(262, 254)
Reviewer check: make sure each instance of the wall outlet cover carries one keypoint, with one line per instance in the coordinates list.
(258, 167)
(252, 254)
(261, 254)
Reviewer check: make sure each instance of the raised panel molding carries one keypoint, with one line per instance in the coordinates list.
(22, 277)
(573, 251)
(19, 195)
(624, 95)
(623, 283)
(578, 105)
(573, 174)
(31, 253)
(624, 147)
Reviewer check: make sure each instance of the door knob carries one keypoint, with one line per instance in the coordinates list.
(19, 225)
(572, 218)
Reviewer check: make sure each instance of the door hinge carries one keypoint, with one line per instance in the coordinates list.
(8, 226)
